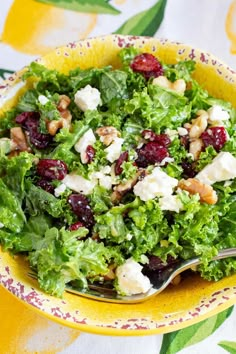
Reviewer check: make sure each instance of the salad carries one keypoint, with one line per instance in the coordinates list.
(112, 175)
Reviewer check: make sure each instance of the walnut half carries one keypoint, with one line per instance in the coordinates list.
(193, 186)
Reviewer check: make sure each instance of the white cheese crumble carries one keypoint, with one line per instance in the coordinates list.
(103, 177)
(43, 100)
(130, 278)
(157, 184)
(79, 184)
(182, 131)
(113, 151)
(59, 190)
(87, 98)
(222, 168)
(166, 160)
(87, 139)
(172, 133)
(217, 116)
(171, 203)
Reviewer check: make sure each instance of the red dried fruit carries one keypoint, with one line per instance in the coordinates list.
(123, 157)
(30, 122)
(150, 154)
(147, 65)
(188, 169)
(51, 169)
(46, 185)
(156, 264)
(215, 136)
(75, 226)
(90, 153)
(80, 206)
(161, 139)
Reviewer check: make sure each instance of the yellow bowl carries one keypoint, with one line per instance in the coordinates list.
(177, 307)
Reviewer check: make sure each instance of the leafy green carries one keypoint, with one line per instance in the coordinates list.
(47, 79)
(11, 214)
(14, 172)
(61, 258)
(39, 201)
(113, 85)
(181, 70)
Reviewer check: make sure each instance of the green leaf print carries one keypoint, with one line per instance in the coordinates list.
(173, 342)
(3, 73)
(145, 23)
(228, 346)
(91, 6)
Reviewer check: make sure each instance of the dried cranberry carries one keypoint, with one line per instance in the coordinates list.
(151, 153)
(215, 136)
(185, 141)
(156, 269)
(30, 122)
(51, 169)
(46, 185)
(90, 153)
(147, 65)
(75, 226)
(25, 116)
(188, 169)
(123, 157)
(161, 139)
(155, 263)
(80, 206)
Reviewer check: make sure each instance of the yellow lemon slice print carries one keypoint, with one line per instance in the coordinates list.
(35, 28)
(230, 26)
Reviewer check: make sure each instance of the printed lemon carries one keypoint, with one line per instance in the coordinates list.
(230, 26)
(35, 28)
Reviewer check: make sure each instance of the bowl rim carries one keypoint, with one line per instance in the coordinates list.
(10, 82)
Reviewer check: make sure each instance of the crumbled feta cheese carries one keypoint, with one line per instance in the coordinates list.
(79, 184)
(222, 168)
(130, 278)
(87, 98)
(87, 139)
(106, 182)
(172, 133)
(1, 225)
(103, 177)
(217, 115)
(129, 236)
(166, 160)
(157, 184)
(171, 203)
(182, 131)
(43, 99)
(114, 150)
(59, 190)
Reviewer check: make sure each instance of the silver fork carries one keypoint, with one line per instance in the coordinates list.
(103, 293)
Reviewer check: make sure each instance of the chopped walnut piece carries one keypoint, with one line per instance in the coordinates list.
(18, 138)
(121, 189)
(199, 124)
(107, 134)
(63, 103)
(111, 274)
(193, 186)
(195, 148)
(178, 86)
(64, 122)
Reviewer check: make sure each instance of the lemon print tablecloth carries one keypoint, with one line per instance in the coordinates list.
(30, 28)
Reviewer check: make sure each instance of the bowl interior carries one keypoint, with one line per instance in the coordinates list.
(194, 299)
